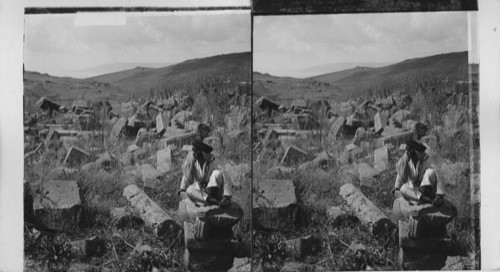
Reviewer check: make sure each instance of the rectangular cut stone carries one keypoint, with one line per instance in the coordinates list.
(76, 157)
(381, 158)
(380, 121)
(161, 123)
(336, 127)
(58, 204)
(217, 243)
(274, 204)
(164, 160)
(150, 176)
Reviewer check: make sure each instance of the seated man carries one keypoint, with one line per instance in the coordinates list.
(419, 194)
(202, 182)
(416, 176)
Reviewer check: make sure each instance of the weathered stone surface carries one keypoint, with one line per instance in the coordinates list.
(336, 128)
(150, 176)
(118, 128)
(187, 148)
(350, 147)
(164, 160)
(274, 201)
(58, 204)
(152, 214)
(162, 121)
(214, 215)
(220, 244)
(381, 158)
(141, 136)
(301, 247)
(396, 140)
(398, 117)
(366, 174)
(365, 210)
(181, 118)
(127, 110)
(237, 174)
(181, 139)
(380, 121)
(391, 131)
(293, 155)
(76, 156)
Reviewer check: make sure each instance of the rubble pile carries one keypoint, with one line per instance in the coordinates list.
(137, 147)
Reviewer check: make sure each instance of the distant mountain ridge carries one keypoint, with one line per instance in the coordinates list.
(355, 81)
(238, 65)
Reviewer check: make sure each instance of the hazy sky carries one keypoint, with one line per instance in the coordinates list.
(286, 43)
(59, 44)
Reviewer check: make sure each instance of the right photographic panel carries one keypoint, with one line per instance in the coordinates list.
(366, 142)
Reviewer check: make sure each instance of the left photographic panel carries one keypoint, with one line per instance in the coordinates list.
(137, 140)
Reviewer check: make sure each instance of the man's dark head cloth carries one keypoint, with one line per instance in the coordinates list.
(202, 146)
(415, 145)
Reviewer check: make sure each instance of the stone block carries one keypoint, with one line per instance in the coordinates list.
(336, 128)
(118, 129)
(58, 204)
(162, 121)
(381, 158)
(380, 121)
(395, 140)
(221, 243)
(164, 160)
(293, 155)
(366, 174)
(150, 176)
(274, 203)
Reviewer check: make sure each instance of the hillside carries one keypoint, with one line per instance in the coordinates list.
(336, 76)
(65, 89)
(446, 65)
(358, 81)
(237, 65)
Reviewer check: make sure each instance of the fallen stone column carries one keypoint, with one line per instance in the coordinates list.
(152, 214)
(395, 139)
(179, 140)
(365, 210)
